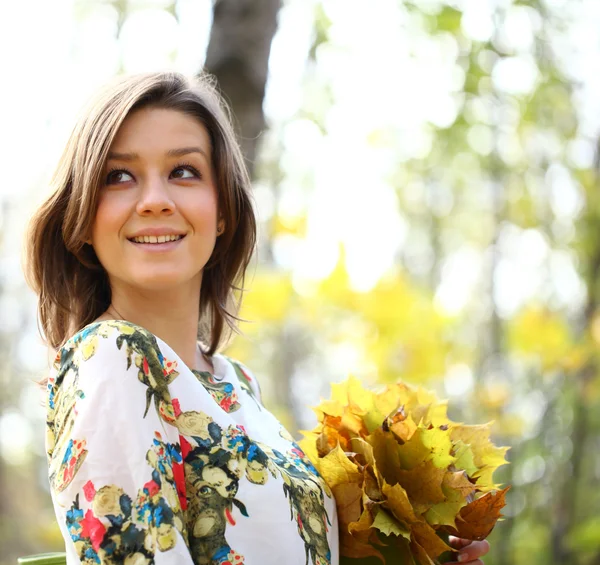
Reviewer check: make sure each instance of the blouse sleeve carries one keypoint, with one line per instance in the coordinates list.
(115, 464)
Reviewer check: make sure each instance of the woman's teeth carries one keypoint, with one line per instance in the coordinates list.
(155, 238)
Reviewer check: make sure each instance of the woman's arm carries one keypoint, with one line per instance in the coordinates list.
(116, 470)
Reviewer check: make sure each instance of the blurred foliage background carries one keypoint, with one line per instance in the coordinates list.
(426, 176)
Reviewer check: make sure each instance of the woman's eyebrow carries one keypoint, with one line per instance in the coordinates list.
(122, 156)
(171, 153)
(186, 151)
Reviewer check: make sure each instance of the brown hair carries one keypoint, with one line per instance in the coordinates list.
(64, 271)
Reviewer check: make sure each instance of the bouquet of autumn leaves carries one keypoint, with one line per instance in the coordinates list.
(404, 476)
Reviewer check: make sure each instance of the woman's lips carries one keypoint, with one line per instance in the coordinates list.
(157, 247)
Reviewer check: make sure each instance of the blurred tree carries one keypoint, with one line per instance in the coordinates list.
(238, 56)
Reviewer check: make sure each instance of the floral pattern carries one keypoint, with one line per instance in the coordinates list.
(245, 380)
(223, 394)
(73, 457)
(114, 528)
(202, 475)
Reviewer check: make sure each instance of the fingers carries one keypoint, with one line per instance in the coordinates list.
(458, 543)
(476, 562)
(469, 551)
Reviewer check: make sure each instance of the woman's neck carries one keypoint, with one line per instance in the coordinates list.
(171, 315)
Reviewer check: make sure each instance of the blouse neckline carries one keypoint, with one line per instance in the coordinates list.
(219, 370)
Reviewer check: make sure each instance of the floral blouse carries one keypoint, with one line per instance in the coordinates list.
(151, 462)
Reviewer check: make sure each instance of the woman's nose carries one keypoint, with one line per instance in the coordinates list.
(155, 197)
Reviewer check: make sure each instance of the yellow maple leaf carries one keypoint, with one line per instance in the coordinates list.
(351, 393)
(398, 503)
(337, 469)
(486, 456)
(438, 441)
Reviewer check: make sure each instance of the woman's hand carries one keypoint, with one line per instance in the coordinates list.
(469, 551)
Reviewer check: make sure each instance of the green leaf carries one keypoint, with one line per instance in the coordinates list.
(464, 458)
(413, 452)
(438, 441)
(444, 513)
(388, 525)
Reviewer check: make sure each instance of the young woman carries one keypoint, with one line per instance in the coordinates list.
(159, 448)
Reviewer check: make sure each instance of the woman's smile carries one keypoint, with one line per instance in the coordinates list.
(157, 246)
(158, 240)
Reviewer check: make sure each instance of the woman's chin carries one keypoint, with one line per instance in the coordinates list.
(165, 281)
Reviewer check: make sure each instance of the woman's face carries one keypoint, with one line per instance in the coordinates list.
(156, 223)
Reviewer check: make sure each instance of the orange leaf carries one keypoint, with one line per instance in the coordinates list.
(476, 520)
(328, 439)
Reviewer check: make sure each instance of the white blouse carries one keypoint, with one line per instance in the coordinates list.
(151, 462)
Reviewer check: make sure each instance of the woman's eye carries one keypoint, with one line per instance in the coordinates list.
(118, 177)
(184, 173)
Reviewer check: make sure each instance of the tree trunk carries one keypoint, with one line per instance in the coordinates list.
(238, 56)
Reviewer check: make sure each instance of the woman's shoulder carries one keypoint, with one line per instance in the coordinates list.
(102, 341)
(110, 358)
